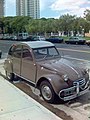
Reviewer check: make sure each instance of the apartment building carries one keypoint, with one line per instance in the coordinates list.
(28, 8)
(1, 8)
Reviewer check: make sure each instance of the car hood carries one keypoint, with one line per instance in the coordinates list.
(62, 67)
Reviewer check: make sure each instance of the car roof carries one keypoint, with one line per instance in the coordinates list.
(38, 44)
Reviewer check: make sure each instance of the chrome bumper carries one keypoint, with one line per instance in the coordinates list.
(76, 92)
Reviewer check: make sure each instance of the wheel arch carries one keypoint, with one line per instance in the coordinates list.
(8, 66)
(54, 80)
(40, 80)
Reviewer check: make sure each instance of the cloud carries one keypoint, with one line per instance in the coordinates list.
(54, 8)
(74, 7)
(44, 4)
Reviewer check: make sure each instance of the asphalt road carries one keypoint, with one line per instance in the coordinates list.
(74, 51)
(66, 50)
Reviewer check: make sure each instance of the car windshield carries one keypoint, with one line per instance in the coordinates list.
(46, 53)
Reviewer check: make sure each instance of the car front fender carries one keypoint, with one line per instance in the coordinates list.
(55, 80)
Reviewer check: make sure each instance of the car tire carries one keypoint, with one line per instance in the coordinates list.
(77, 43)
(47, 92)
(10, 76)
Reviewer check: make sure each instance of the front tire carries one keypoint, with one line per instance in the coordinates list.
(10, 76)
(47, 92)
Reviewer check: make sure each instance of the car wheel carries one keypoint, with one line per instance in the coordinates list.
(77, 43)
(47, 92)
(10, 76)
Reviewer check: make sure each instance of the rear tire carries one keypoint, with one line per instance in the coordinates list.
(47, 92)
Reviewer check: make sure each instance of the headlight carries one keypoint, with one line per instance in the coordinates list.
(65, 77)
(86, 71)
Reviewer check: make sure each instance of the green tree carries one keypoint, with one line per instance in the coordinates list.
(87, 17)
(87, 14)
(19, 23)
(1, 26)
(66, 23)
(7, 24)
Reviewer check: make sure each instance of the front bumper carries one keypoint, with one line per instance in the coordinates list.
(73, 92)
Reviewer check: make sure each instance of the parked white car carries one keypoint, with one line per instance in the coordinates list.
(40, 38)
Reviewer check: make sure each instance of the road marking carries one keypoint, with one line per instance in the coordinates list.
(83, 60)
(74, 50)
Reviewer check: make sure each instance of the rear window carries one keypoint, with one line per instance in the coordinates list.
(11, 49)
(15, 51)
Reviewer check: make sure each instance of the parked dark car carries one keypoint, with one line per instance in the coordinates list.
(76, 40)
(55, 39)
(30, 38)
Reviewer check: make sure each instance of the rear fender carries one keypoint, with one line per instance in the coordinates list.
(8, 66)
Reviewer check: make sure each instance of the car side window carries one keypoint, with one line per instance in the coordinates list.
(17, 51)
(26, 54)
(52, 52)
(11, 50)
(70, 38)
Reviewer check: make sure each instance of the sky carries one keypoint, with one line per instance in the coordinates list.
(53, 8)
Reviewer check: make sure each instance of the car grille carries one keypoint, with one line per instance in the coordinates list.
(78, 86)
(81, 82)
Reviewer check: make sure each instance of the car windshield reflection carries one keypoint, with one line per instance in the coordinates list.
(46, 53)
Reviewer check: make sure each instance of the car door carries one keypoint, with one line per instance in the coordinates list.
(28, 69)
(16, 59)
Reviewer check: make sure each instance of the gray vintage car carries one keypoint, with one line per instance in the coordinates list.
(40, 63)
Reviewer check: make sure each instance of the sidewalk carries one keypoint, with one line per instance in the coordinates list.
(16, 105)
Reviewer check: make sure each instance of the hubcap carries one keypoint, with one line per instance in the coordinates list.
(46, 92)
